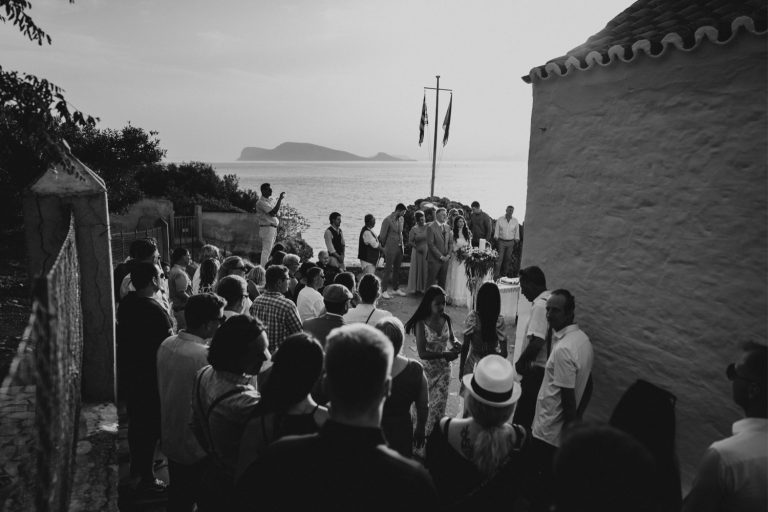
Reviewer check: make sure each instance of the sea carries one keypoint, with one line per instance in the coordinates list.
(355, 189)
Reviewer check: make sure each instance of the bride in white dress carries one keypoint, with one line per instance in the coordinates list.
(456, 281)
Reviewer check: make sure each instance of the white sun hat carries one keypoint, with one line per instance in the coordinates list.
(493, 382)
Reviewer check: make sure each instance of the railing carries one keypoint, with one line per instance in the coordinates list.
(184, 231)
(121, 241)
(40, 399)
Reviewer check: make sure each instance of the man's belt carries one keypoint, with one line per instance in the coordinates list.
(507, 240)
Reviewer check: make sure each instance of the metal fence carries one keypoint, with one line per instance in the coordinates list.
(184, 231)
(120, 241)
(42, 390)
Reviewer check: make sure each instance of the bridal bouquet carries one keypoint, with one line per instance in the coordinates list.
(462, 253)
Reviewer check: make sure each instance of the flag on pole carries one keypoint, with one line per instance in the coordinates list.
(447, 121)
(423, 121)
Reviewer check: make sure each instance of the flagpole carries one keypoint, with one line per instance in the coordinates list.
(423, 122)
(434, 144)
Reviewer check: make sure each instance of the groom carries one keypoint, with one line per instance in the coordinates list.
(439, 242)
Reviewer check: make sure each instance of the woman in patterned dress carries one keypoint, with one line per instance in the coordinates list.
(437, 348)
(484, 329)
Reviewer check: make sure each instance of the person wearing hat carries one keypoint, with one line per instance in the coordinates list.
(472, 459)
(336, 298)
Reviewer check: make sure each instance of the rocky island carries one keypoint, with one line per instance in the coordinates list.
(302, 151)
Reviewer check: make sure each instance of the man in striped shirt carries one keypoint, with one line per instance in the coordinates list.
(278, 314)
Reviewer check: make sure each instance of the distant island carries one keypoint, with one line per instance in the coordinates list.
(302, 151)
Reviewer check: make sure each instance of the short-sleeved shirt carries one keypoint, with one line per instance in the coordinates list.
(179, 358)
(732, 475)
(568, 366)
(537, 326)
(279, 314)
(309, 303)
(265, 205)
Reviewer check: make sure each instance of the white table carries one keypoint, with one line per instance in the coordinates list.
(510, 294)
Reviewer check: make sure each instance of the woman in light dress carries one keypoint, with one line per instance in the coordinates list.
(456, 281)
(417, 239)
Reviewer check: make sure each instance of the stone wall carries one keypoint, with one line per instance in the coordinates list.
(233, 232)
(647, 199)
(142, 215)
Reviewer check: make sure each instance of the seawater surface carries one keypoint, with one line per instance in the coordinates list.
(354, 189)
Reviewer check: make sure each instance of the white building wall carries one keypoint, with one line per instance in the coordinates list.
(647, 199)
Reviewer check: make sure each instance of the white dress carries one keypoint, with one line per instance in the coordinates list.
(456, 281)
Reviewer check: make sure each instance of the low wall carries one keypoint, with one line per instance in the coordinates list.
(233, 232)
(142, 215)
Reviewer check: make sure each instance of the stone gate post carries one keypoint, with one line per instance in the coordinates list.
(71, 186)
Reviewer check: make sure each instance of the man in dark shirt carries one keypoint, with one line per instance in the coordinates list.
(142, 325)
(336, 298)
(479, 224)
(347, 465)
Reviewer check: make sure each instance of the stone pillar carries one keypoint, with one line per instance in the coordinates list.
(72, 187)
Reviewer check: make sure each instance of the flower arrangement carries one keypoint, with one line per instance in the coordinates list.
(478, 265)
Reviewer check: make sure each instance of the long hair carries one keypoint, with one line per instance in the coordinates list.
(425, 307)
(208, 270)
(491, 446)
(464, 229)
(295, 369)
(488, 308)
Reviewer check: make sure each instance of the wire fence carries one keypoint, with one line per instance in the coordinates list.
(184, 231)
(40, 400)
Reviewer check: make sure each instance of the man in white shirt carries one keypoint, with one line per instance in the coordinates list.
(366, 312)
(535, 349)
(267, 209)
(565, 380)
(368, 246)
(310, 301)
(507, 235)
(733, 473)
(179, 358)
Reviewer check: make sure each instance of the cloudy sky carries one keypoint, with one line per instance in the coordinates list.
(213, 77)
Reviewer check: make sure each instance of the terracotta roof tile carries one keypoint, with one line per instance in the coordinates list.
(646, 26)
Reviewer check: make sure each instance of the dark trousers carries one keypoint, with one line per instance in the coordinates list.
(437, 271)
(526, 405)
(393, 258)
(184, 488)
(539, 457)
(143, 405)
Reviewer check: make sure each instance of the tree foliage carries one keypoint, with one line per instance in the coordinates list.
(32, 110)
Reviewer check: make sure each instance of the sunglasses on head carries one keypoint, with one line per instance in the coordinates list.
(733, 374)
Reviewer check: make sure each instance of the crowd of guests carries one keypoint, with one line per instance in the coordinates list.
(435, 239)
(285, 387)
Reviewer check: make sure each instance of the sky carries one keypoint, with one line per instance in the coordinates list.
(214, 77)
